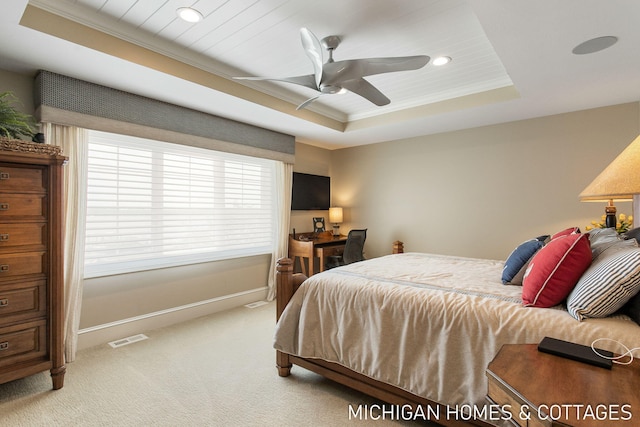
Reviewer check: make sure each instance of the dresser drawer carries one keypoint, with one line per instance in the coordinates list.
(19, 206)
(22, 234)
(22, 300)
(17, 264)
(23, 342)
(17, 179)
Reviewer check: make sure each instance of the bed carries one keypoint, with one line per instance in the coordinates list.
(418, 329)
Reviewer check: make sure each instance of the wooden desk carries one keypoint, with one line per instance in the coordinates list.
(541, 386)
(309, 246)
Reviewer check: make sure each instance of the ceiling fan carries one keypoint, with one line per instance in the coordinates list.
(333, 77)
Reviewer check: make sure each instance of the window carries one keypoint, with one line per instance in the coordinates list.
(152, 204)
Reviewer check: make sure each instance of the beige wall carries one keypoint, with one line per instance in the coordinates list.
(480, 192)
(22, 87)
(316, 161)
(112, 298)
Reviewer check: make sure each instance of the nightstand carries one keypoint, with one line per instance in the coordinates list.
(540, 389)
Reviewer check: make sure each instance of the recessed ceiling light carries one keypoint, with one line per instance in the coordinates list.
(441, 60)
(189, 14)
(594, 45)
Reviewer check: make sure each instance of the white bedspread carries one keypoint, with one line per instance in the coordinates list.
(429, 324)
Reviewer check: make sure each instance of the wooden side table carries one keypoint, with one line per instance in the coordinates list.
(540, 389)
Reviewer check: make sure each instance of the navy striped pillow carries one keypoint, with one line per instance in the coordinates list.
(611, 281)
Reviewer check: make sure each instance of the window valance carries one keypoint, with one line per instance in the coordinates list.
(68, 101)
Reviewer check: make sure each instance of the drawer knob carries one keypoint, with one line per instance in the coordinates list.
(4, 345)
(4, 268)
(4, 237)
(4, 175)
(4, 302)
(4, 206)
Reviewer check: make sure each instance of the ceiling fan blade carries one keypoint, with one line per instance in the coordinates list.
(306, 81)
(355, 68)
(371, 66)
(366, 90)
(313, 49)
(307, 102)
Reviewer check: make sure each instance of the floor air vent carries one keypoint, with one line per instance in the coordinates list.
(128, 340)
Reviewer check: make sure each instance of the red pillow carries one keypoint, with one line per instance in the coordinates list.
(555, 269)
(565, 232)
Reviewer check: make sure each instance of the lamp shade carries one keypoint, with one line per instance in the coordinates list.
(620, 180)
(335, 215)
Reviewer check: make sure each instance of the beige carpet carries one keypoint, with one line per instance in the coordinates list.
(218, 370)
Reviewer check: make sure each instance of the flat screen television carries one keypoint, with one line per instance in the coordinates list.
(310, 192)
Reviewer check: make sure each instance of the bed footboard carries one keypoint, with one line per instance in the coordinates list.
(287, 283)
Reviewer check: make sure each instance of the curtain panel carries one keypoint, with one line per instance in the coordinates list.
(284, 177)
(73, 141)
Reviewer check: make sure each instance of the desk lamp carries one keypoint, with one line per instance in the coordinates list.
(617, 182)
(335, 217)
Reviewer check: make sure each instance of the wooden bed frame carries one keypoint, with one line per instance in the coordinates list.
(287, 283)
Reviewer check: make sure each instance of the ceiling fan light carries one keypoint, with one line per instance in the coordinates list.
(441, 60)
(189, 14)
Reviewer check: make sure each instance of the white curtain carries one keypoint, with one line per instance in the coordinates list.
(284, 179)
(73, 142)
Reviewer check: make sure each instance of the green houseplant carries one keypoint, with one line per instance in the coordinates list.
(14, 123)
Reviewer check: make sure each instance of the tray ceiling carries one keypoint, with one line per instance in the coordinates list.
(507, 58)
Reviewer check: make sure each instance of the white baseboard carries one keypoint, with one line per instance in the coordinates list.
(101, 334)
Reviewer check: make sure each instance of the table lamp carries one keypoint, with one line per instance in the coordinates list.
(335, 218)
(619, 181)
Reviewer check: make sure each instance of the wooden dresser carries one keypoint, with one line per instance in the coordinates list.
(31, 268)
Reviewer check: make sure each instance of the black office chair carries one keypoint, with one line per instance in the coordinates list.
(353, 249)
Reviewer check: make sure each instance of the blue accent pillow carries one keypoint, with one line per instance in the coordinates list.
(519, 258)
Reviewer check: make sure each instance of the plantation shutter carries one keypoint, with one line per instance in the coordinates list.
(153, 204)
